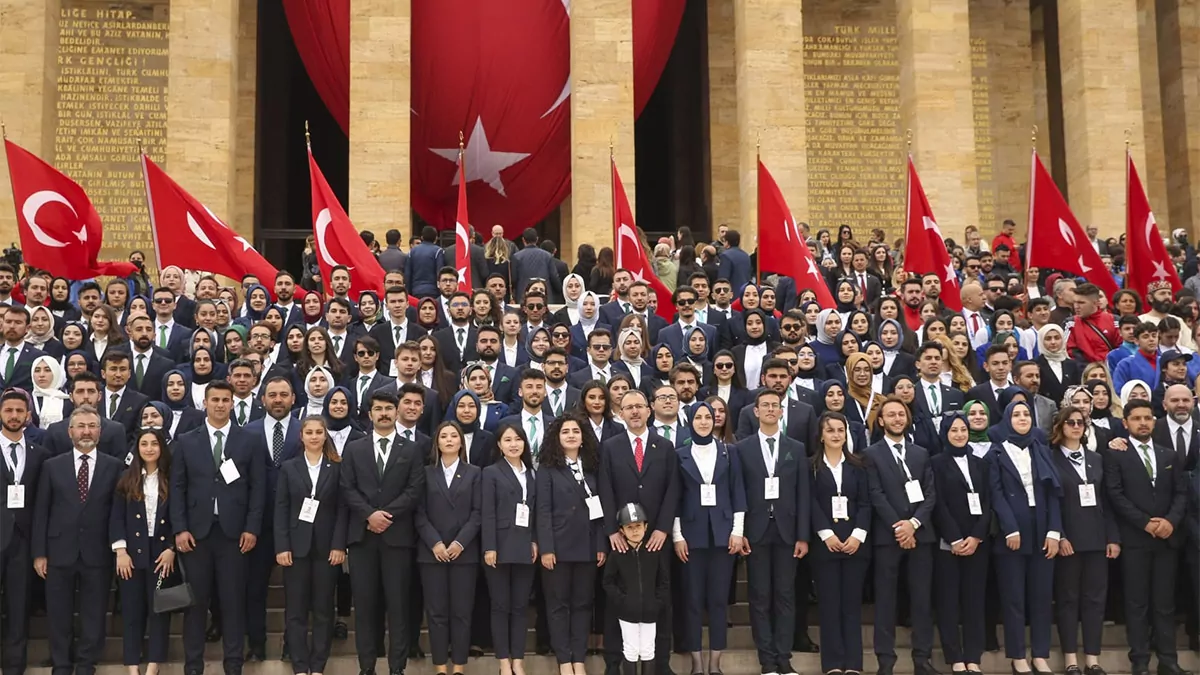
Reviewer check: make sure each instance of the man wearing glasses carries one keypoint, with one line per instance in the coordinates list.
(666, 415)
(456, 342)
(535, 312)
(560, 336)
(369, 379)
(676, 335)
(599, 350)
(792, 329)
(798, 419)
(169, 335)
(560, 396)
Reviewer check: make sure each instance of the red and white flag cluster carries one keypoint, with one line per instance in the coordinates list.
(924, 248)
(628, 248)
(335, 239)
(781, 247)
(1146, 258)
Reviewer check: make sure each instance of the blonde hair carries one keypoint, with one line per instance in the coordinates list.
(960, 377)
(496, 250)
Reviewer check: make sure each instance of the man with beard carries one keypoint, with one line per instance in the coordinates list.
(339, 313)
(931, 287)
(639, 304)
(456, 342)
(599, 349)
(535, 312)
(149, 364)
(447, 284)
(677, 334)
(339, 283)
(85, 390)
(170, 334)
(531, 417)
(89, 299)
(37, 289)
(912, 294)
(1159, 295)
(487, 346)
(16, 356)
(1064, 303)
(397, 329)
(368, 379)
(611, 313)
(8, 278)
(797, 419)
(1094, 334)
(560, 397)
(792, 329)
(246, 406)
(285, 291)
(685, 378)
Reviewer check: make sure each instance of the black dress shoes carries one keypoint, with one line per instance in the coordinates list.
(804, 645)
(340, 631)
(1094, 670)
(924, 667)
(256, 655)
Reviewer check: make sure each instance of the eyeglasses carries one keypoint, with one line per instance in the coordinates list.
(555, 363)
(685, 302)
(723, 366)
(558, 336)
(995, 289)
(790, 327)
(792, 362)
(601, 348)
(1074, 423)
(666, 397)
(163, 301)
(534, 307)
(365, 353)
(633, 407)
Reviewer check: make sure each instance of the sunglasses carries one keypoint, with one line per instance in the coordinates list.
(685, 302)
(602, 348)
(362, 353)
(1074, 423)
(723, 366)
(163, 301)
(560, 335)
(534, 307)
(790, 327)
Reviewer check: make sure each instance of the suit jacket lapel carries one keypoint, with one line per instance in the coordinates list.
(393, 454)
(688, 464)
(722, 464)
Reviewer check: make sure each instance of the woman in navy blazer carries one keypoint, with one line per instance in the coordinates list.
(509, 545)
(140, 528)
(571, 541)
(961, 517)
(464, 411)
(475, 379)
(840, 561)
(1025, 498)
(310, 547)
(447, 522)
(593, 405)
(707, 533)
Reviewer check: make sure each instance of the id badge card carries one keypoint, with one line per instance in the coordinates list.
(708, 495)
(128, 458)
(973, 504)
(16, 497)
(912, 488)
(1087, 494)
(308, 510)
(841, 507)
(522, 517)
(595, 511)
(229, 471)
(771, 487)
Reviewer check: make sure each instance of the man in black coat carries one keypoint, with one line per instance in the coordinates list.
(121, 403)
(383, 479)
(70, 545)
(16, 356)
(366, 379)
(998, 365)
(149, 363)
(504, 378)
(85, 390)
(799, 420)
(395, 329)
(218, 492)
(456, 342)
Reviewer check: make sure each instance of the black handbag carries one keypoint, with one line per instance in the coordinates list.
(173, 598)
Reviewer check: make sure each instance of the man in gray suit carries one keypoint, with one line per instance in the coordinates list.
(392, 258)
(479, 268)
(532, 262)
(1028, 376)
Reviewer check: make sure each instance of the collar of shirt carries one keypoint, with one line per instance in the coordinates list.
(394, 325)
(401, 430)
(133, 350)
(248, 400)
(527, 415)
(1174, 427)
(271, 421)
(449, 471)
(108, 394)
(285, 309)
(661, 423)
(390, 438)
(19, 347)
(645, 436)
(6, 451)
(213, 430)
(170, 326)
(91, 458)
(368, 374)
(762, 439)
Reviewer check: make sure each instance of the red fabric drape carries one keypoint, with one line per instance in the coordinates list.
(321, 31)
(655, 25)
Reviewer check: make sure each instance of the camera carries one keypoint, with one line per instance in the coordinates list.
(12, 256)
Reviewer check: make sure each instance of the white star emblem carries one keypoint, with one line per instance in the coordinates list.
(483, 163)
(1160, 271)
(930, 224)
(812, 269)
(462, 275)
(950, 275)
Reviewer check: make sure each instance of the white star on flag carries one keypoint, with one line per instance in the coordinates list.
(1160, 271)
(483, 163)
(951, 277)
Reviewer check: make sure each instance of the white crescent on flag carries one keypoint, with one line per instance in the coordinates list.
(30, 209)
(198, 231)
(322, 224)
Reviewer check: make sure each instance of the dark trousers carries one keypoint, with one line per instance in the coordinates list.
(344, 599)
(508, 588)
(1149, 575)
(568, 591)
(16, 586)
(959, 594)
(260, 562)
(309, 586)
(771, 580)
(138, 619)
(376, 567)
(1080, 590)
(839, 583)
(1026, 592)
(919, 574)
(449, 591)
(804, 588)
(706, 577)
(216, 559)
(481, 612)
(92, 584)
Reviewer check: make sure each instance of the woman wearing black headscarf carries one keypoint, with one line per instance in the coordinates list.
(846, 344)
(754, 347)
(177, 396)
(832, 398)
(202, 370)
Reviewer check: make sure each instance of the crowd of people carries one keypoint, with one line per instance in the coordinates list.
(548, 444)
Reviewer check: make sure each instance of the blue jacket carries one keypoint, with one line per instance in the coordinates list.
(421, 270)
(700, 523)
(735, 266)
(1119, 354)
(1135, 367)
(1011, 504)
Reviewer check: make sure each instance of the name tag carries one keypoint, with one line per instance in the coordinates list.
(771, 487)
(708, 495)
(522, 517)
(912, 488)
(16, 496)
(128, 458)
(1087, 494)
(229, 471)
(841, 507)
(595, 511)
(308, 510)
(973, 504)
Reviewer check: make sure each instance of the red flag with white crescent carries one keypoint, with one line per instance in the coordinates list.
(781, 249)
(628, 248)
(462, 238)
(924, 248)
(336, 240)
(1146, 257)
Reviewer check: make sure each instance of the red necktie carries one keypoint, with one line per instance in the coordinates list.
(82, 478)
(974, 323)
(862, 282)
(639, 453)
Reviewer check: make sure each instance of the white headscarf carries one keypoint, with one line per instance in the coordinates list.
(1129, 387)
(821, 319)
(52, 398)
(573, 305)
(34, 340)
(632, 363)
(1061, 354)
(316, 404)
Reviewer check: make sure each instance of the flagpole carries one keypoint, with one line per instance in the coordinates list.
(307, 138)
(1032, 181)
(612, 163)
(907, 188)
(12, 188)
(757, 161)
(149, 204)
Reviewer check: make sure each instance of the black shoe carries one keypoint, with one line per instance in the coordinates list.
(649, 667)
(396, 671)
(804, 645)
(1140, 669)
(366, 671)
(256, 655)
(629, 668)
(1044, 672)
(475, 651)
(786, 668)
(1171, 670)
(1020, 672)
(414, 652)
(1073, 670)
(285, 654)
(541, 650)
(885, 667)
(214, 633)
(1194, 643)
(340, 631)
(1095, 670)
(924, 667)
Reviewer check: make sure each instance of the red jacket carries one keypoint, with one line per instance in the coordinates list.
(1093, 337)
(1014, 256)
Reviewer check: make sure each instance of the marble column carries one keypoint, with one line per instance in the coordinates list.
(723, 114)
(1179, 63)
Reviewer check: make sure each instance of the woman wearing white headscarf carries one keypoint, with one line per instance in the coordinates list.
(41, 332)
(1057, 369)
(572, 291)
(317, 384)
(1130, 392)
(48, 396)
(629, 346)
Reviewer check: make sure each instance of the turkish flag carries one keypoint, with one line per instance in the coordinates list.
(1056, 240)
(462, 237)
(781, 249)
(1146, 258)
(628, 247)
(188, 234)
(60, 230)
(336, 240)
(924, 247)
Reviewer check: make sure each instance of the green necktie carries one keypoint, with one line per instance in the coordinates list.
(140, 371)
(408, 435)
(771, 447)
(242, 413)
(337, 343)
(666, 429)
(162, 337)
(533, 439)
(557, 402)
(362, 385)
(461, 337)
(11, 364)
(112, 405)
(1146, 461)
(625, 306)
(379, 463)
(396, 331)
(219, 448)
(937, 406)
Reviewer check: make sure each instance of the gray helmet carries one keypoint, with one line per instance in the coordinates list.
(631, 513)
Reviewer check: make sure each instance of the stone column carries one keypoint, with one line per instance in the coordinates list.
(723, 114)
(1154, 172)
(380, 121)
(23, 83)
(1102, 97)
(1179, 62)
(936, 102)
(770, 105)
(601, 113)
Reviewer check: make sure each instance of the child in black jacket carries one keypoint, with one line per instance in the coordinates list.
(637, 583)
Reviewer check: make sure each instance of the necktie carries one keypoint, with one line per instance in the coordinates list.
(557, 402)
(12, 363)
(362, 386)
(603, 376)
(771, 454)
(162, 337)
(1076, 457)
(639, 453)
(937, 407)
(218, 447)
(241, 413)
(625, 307)
(81, 478)
(1180, 443)
(12, 454)
(397, 332)
(461, 333)
(408, 435)
(277, 443)
(899, 453)
(862, 282)
(140, 371)
(337, 343)
(974, 322)
(1146, 461)
(666, 430)
(379, 461)
(112, 405)
(533, 439)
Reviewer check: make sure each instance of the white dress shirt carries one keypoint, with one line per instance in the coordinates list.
(1173, 428)
(269, 424)
(212, 443)
(768, 456)
(449, 471)
(339, 436)
(17, 469)
(836, 471)
(150, 499)
(522, 474)
(91, 464)
(1081, 466)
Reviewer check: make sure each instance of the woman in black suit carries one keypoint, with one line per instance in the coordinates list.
(447, 522)
(961, 516)
(509, 544)
(310, 544)
(480, 444)
(841, 518)
(1089, 540)
(832, 398)
(726, 382)
(140, 527)
(593, 405)
(570, 536)
(341, 429)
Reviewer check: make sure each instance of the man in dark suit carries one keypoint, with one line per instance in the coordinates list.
(934, 399)
(338, 317)
(504, 378)
(639, 467)
(559, 396)
(367, 379)
(599, 351)
(867, 284)
(998, 366)
(275, 438)
(902, 498)
(408, 371)
(16, 356)
(85, 390)
(676, 335)
(120, 403)
(246, 406)
(799, 420)
(169, 334)
(392, 258)
(611, 313)
(456, 342)
(218, 492)
(1147, 488)
(1178, 429)
(532, 262)
(734, 262)
(424, 261)
(285, 295)
(70, 545)
(396, 329)
(532, 416)
(639, 300)
(22, 466)
(383, 479)
(150, 364)
(479, 266)
(775, 470)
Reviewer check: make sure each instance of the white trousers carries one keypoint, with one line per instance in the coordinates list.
(637, 640)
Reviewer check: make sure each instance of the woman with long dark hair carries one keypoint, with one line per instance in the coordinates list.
(464, 410)
(434, 373)
(485, 310)
(593, 405)
(317, 350)
(105, 330)
(585, 260)
(600, 281)
(60, 300)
